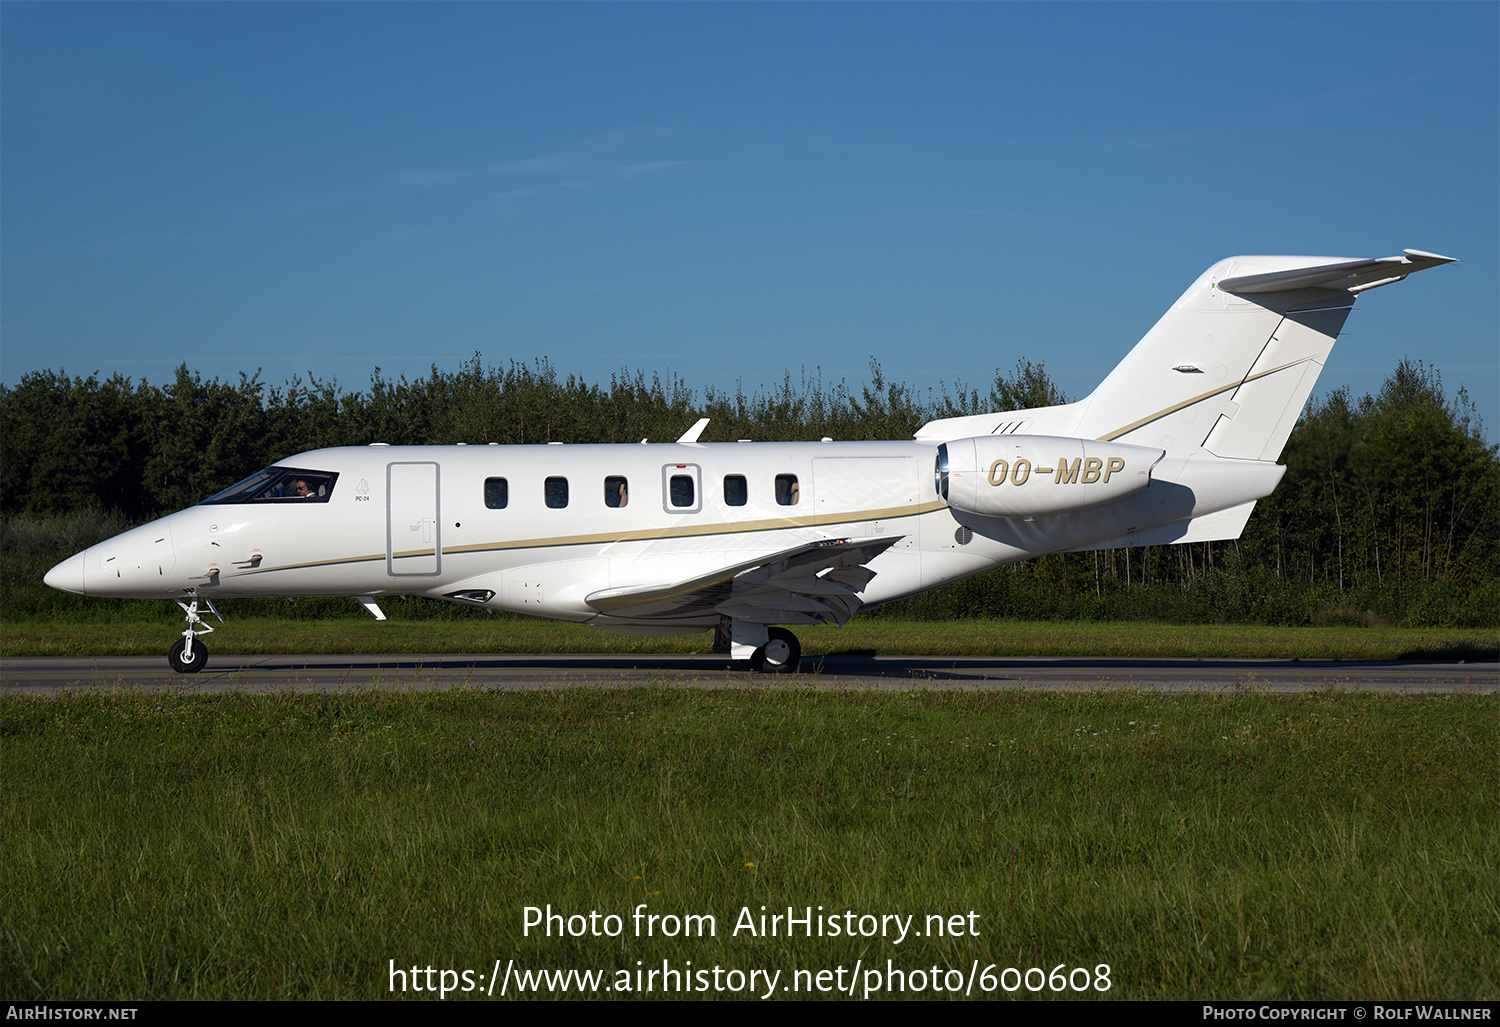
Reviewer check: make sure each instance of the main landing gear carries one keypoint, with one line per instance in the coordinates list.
(188, 655)
(765, 649)
(781, 654)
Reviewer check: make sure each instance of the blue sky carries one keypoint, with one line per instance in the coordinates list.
(725, 192)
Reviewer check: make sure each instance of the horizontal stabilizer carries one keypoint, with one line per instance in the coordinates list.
(1346, 275)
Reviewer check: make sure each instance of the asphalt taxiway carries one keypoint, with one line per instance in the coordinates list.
(857, 671)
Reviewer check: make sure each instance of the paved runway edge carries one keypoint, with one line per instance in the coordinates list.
(228, 673)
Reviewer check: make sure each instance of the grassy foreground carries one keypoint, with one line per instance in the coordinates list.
(970, 637)
(1251, 846)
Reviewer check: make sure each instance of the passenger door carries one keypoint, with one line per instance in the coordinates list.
(413, 545)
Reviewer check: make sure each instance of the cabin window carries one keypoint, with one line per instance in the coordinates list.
(496, 493)
(616, 491)
(280, 485)
(681, 490)
(736, 493)
(557, 493)
(787, 491)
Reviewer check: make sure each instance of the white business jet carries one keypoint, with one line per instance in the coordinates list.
(1175, 445)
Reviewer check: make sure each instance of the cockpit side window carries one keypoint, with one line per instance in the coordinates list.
(279, 485)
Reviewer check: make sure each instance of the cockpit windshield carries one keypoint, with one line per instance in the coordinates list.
(279, 485)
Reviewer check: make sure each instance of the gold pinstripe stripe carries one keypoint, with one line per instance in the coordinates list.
(1196, 399)
(636, 535)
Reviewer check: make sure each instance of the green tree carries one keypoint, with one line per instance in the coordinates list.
(69, 444)
(1027, 387)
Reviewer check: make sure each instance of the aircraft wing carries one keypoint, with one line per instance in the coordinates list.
(815, 583)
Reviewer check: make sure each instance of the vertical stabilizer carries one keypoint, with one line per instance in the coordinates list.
(1228, 368)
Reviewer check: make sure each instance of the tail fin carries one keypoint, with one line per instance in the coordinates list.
(1217, 384)
(1228, 368)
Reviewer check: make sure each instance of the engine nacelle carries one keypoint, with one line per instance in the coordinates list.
(1036, 475)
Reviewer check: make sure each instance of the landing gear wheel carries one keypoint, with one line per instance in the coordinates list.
(178, 655)
(781, 654)
(181, 662)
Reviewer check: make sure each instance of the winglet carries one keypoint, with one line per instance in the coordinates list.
(691, 435)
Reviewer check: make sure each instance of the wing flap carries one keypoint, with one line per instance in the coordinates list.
(816, 582)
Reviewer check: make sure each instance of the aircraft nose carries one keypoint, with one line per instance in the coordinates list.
(68, 575)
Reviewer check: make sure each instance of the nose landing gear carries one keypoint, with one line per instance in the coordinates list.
(188, 655)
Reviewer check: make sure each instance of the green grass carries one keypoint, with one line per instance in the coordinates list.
(1233, 847)
(508, 634)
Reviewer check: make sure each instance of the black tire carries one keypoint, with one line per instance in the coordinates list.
(782, 653)
(184, 666)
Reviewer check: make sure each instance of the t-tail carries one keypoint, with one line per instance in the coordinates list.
(1216, 385)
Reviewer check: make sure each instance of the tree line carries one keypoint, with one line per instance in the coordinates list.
(1389, 510)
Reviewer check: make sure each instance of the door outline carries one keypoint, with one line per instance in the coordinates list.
(413, 500)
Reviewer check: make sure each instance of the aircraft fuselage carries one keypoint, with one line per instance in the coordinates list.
(540, 528)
